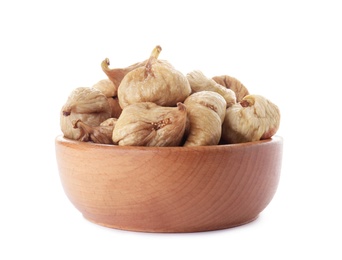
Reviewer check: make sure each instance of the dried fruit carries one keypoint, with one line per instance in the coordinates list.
(254, 118)
(147, 124)
(234, 84)
(107, 87)
(199, 82)
(109, 122)
(150, 103)
(206, 111)
(158, 81)
(101, 134)
(117, 74)
(89, 105)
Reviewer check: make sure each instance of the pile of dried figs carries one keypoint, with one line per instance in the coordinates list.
(150, 103)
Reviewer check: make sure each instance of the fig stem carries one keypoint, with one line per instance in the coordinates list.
(181, 106)
(104, 64)
(154, 56)
(115, 75)
(156, 51)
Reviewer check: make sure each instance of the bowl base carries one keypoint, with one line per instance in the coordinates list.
(171, 230)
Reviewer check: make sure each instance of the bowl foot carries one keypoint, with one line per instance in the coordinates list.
(151, 229)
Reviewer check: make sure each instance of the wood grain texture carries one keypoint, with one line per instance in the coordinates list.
(170, 189)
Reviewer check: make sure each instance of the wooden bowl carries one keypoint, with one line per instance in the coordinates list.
(170, 189)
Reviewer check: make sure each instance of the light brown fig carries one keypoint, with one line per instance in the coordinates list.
(109, 122)
(206, 111)
(252, 119)
(234, 84)
(101, 134)
(116, 75)
(147, 124)
(158, 82)
(199, 82)
(107, 87)
(89, 105)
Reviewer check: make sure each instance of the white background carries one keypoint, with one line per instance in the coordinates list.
(288, 51)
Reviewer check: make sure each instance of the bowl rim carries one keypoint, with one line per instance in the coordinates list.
(274, 139)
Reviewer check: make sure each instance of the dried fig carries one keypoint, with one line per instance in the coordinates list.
(107, 87)
(109, 122)
(147, 124)
(89, 105)
(206, 111)
(101, 134)
(253, 118)
(116, 75)
(232, 83)
(156, 82)
(199, 82)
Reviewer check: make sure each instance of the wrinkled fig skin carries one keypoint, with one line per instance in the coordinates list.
(86, 104)
(254, 118)
(97, 134)
(109, 122)
(199, 82)
(232, 83)
(107, 87)
(147, 124)
(206, 111)
(84, 100)
(158, 82)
